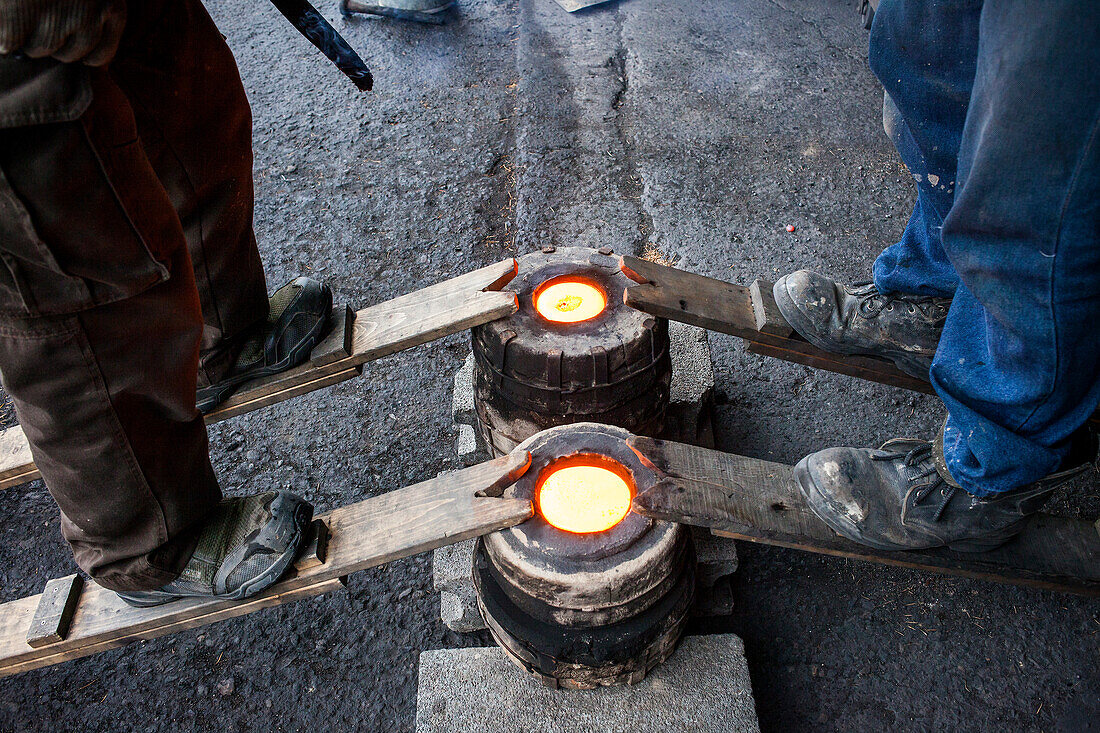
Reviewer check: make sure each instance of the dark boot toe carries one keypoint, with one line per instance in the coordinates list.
(811, 304)
(829, 481)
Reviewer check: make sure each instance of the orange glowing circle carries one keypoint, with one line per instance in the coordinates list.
(583, 498)
(570, 301)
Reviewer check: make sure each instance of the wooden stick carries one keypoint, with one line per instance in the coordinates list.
(411, 320)
(444, 510)
(749, 499)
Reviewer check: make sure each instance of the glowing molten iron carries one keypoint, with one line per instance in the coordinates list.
(570, 301)
(583, 497)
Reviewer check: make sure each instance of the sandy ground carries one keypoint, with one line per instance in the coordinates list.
(697, 128)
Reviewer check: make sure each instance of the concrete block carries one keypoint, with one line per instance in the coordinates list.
(717, 558)
(451, 569)
(453, 565)
(692, 368)
(468, 445)
(458, 610)
(703, 687)
(691, 395)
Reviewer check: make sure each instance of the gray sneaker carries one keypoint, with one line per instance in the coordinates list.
(858, 319)
(246, 545)
(901, 496)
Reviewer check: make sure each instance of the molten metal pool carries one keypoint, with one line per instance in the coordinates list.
(584, 494)
(570, 300)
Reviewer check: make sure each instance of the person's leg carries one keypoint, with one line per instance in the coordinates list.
(1018, 364)
(1019, 361)
(99, 341)
(198, 139)
(923, 52)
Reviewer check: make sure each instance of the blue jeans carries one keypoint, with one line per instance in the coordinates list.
(995, 108)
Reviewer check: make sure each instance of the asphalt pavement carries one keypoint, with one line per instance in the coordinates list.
(699, 130)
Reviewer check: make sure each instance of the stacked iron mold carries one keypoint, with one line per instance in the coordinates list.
(586, 610)
(531, 374)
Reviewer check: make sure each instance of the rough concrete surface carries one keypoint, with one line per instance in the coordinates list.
(698, 128)
(704, 687)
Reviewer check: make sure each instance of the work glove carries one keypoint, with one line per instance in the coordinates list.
(67, 30)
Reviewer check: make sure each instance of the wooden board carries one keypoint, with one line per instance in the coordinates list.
(16, 464)
(404, 522)
(755, 500)
(440, 310)
(749, 313)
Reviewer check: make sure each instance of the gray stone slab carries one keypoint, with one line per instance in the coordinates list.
(704, 687)
(451, 565)
(451, 568)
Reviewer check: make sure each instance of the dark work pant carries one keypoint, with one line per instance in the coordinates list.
(994, 107)
(128, 257)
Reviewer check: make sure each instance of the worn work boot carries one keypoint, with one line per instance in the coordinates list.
(901, 496)
(297, 319)
(245, 546)
(858, 319)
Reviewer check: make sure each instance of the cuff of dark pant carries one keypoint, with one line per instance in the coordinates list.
(157, 569)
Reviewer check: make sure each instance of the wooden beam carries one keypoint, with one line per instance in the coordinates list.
(683, 296)
(444, 510)
(440, 310)
(755, 500)
(749, 313)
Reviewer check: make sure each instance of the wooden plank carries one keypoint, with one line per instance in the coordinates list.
(16, 463)
(862, 367)
(440, 310)
(683, 296)
(755, 500)
(441, 511)
(55, 610)
(434, 312)
(338, 342)
(751, 314)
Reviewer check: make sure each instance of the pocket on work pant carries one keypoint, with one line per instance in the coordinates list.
(84, 221)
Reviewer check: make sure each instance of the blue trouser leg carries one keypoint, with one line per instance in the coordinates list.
(924, 53)
(1018, 364)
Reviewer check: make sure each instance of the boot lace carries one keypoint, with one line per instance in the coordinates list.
(919, 456)
(872, 302)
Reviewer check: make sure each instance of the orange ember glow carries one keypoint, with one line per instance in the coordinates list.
(583, 496)
(570, 300)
